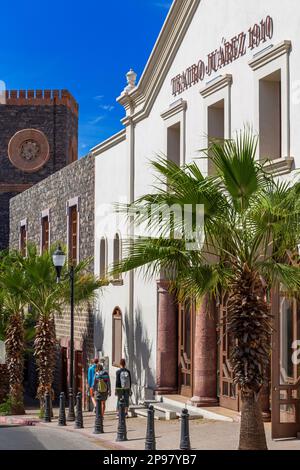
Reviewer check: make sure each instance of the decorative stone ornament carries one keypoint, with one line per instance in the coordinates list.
(131, 81)
(28, 150)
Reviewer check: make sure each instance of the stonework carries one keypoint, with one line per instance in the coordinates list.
(74, 182)
(24, 163)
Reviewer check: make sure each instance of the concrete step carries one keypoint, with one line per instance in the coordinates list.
(158, 415)
(173, 411)
(215, 413)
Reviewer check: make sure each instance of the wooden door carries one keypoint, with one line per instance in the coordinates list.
(285, 368)
(64, 371)
(185, 349)
(78, 371)
(228, 391)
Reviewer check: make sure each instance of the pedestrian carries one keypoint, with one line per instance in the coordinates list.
(91, 378)
(123, 385)
(102, 386)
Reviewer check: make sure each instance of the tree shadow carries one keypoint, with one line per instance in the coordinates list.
(99, 328)
(138, 350)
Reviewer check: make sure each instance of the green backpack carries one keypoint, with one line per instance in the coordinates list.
(102, 386)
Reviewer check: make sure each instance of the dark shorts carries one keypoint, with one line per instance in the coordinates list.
(125, 394)
(102, 395)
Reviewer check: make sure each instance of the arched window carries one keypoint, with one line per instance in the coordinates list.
(117, 254)
(103, 258)
(116, 336)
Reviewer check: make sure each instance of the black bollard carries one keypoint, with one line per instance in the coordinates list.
(150, 443)
(99, 419)
(62, 410)
(122, 431)
(79, 417)
(185, 443)
(71, 412)
(47, 403)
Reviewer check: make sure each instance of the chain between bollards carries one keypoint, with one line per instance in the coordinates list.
(62, 410)
(47, 411)
(185, 443)
(79, 416)
(71, 412)
(150, 443)
(122, 431)
(99, 418)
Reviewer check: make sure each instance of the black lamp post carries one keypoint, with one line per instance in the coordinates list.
(59, 259)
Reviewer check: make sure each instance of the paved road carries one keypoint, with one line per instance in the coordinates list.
(39, 438)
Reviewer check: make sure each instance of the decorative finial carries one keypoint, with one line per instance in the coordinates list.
(131, 81)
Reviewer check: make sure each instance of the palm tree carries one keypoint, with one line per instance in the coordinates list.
(13, 313)
(249, 232)
(47, 299)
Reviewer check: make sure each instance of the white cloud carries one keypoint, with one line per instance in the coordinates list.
(98, 97)
(96, 120)
(107, 107)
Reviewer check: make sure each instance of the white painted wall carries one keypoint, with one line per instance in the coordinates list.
(214, 20)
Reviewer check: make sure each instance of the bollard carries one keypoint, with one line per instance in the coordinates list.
(47, 415)
(71, 413)
(62, 410)
(122, 431)
(185, 443)
(150, 443)
(79, 417)
(99, 419)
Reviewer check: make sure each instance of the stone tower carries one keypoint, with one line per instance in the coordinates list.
(38, 136)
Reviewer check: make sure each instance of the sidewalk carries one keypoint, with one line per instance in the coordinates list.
(204, 434)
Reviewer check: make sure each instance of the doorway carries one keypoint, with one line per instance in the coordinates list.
(285, 368)
(185, 349)
(78, 371)
(64, 371)
(228, 390)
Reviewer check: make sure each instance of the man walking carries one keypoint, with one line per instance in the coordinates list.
(123, 385)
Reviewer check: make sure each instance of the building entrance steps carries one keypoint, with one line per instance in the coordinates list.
(164, 410)
(215, 413)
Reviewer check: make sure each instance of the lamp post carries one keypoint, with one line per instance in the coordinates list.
(59, 259)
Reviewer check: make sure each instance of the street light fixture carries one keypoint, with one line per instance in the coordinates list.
(59, 259)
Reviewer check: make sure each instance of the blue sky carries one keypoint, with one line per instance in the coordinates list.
(84, 46)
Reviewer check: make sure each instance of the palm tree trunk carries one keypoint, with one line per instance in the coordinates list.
(14, 344)
(252, 431)
(45, 353)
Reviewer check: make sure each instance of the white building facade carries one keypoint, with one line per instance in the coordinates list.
(216, 66)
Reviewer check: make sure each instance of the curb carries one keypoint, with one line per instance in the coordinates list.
(19, 421)
(110, 445)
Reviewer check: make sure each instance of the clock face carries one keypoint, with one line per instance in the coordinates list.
(28, 150)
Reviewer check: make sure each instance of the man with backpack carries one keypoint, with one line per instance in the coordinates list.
(102, 386)
(123, 384)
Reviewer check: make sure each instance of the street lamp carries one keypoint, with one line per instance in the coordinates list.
(59, 259)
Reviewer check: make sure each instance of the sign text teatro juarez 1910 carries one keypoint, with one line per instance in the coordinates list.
(228, 52)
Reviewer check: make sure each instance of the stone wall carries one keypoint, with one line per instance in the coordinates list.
(74, 181)
(3, 383)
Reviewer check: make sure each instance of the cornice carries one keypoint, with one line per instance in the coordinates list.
(13, 187)
(263, 58)
(175, 108)
(140, 100)
(280, 166)
(216, 85)
(107, 144)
